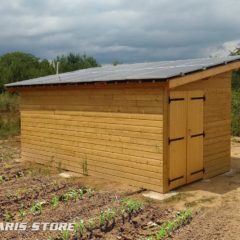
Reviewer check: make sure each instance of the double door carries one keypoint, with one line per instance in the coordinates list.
(186, 136)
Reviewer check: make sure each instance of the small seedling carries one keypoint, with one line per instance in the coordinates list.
(65, 235)
(81, 193)
(90, 192)
(36, 208)
(81, 227)
(132, 205)
(167, 228)
(91, 224)
(161, 234)
(7, 216)
(55, 202)
(22, 212)
(107, 216)
(1, 179)
(72, 194)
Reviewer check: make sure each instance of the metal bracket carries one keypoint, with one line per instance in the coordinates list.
(175, 99)
(174, 179)
(199, 98)
(201, 170)
(198, 135)
(174, 139)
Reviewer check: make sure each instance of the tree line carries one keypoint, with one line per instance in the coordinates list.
(18, 66)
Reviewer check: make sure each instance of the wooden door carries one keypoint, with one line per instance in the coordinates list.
(195, 135)
(177, 139)
(185, 137)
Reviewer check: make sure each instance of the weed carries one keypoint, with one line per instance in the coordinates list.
(55, 201)
(36, 208)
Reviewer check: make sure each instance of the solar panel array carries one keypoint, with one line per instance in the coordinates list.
(138, 71)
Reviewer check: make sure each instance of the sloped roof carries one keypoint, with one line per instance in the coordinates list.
(159, 71)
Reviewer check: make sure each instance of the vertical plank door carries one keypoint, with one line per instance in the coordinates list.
(195, 135)
(177, 139)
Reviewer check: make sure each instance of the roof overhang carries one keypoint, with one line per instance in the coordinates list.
(178, 81)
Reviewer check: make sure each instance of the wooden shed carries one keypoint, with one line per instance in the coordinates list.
(154, 125)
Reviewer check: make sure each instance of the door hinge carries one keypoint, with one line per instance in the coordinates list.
(201, 170)
(174, 179)
(175, 99)
(199, 98)
(174, 139)
(198, 135)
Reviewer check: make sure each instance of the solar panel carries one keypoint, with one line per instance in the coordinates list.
(138, 71)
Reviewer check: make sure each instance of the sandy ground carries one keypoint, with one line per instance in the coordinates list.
(217, 203)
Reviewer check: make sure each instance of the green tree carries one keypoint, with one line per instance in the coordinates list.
(236, 98)
(235, 52)
(73, 62)
(18, 66)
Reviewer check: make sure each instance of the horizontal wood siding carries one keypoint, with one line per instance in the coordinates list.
(217, 122)
(114, 133)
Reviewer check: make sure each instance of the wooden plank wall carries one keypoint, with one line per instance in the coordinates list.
(217, 122)
(111, 133)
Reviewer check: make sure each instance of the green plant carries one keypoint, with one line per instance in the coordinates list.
(7, 216)
(65, 235)
(22, 212)
(81, 193)
(54, 201)
(72, 194)
(167, 228)
(91, 224)
(81, 227)
(90, 192)
(36, 208)
(107, 216)
(161, 234)
(1, 179)
(131, 205)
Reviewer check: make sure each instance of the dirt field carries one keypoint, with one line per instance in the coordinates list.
(110, 210)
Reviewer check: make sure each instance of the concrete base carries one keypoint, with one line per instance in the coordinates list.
(159, 196)
(70, 175)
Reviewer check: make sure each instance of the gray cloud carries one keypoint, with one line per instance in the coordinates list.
(130, 31)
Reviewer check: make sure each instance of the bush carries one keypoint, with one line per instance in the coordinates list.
(9, 115)
(236, 113)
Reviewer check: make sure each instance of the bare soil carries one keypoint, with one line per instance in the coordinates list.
(215, 202)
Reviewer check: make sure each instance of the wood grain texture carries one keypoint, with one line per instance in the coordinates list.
(118, 133)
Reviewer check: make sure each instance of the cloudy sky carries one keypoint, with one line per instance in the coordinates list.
(124, 30)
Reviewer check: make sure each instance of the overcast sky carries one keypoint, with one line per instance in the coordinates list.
(124, 30)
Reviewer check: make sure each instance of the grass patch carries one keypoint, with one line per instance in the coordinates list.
(178, 197)
(199, 201)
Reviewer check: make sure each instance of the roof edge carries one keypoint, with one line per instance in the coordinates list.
(196, 76)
